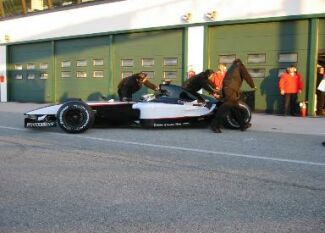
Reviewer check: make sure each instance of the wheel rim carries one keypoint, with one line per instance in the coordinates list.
(245, 113)
(74, 117)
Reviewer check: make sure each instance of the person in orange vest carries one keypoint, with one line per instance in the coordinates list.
(290, 84)
(219, 75)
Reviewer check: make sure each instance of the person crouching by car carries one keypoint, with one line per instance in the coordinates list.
(201, 81)
(129, 85)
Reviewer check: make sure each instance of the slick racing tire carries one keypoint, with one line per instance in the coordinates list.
(75, 117)
(230, 120)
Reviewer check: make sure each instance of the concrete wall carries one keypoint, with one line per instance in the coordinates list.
(144, 14)
(139, 14)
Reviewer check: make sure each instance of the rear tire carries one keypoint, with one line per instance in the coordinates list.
(231, 122)
(75, 117)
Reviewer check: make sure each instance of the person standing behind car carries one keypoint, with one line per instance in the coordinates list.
(219, 75)
(129, 85)
(320, 92)
(290, 85)
(190, 73)
(201, 81)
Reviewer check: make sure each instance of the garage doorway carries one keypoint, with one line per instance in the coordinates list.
(321, 59)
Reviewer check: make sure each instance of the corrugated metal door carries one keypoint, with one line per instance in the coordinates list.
(30, 76)
(159, 53)
(321, 41)
(82, 68)
(266, 49)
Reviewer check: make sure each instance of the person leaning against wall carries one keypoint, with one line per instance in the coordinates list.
(290, 85)
(320, 92)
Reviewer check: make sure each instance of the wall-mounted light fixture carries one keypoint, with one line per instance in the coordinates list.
(187, 17)
(212, 15)
(7, 38)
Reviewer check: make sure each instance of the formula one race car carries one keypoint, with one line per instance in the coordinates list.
(171, 106)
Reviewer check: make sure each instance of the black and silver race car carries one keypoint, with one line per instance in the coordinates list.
(172, 106)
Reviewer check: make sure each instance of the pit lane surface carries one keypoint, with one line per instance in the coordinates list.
(268, 179)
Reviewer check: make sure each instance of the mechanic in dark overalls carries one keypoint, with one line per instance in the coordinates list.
(232, 82)
(201, 81)
(129, 85)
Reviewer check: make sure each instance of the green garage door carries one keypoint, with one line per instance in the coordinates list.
(321, 45)
(158, 53)
(82, 68)
(266, 49)
(30, 76)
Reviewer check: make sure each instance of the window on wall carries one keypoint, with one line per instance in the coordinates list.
(170, 74)
(321, 59)
(257, 73)
(126, 74)
(98, 74)
(21, 7)
(150, 74)
(43, 66)
(30, 66)
(44, 76)
(127, 62)
(12, 7)
(36, 5)
(256, 58)
(81, 74)
(82, 63)
(148, 62)
(60, 3)
(98, 62)
(30, 76)
(65, 74)
(288, 58)
(170, 61)
(227, 59)
(18, 76)
(18, 67)
(65, 64)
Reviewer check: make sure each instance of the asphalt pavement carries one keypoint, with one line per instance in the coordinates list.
(267, 179)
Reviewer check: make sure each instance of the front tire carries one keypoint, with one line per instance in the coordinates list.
(230, 120)
(75, 117)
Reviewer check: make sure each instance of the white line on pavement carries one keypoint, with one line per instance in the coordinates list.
(181, 148)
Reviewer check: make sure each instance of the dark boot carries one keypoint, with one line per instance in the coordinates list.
(245, 126)
(216, 130)
(320, 113)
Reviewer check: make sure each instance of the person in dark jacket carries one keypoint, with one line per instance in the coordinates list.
(320, 107)
(129, 85)
(201, 81)
(232, 82)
